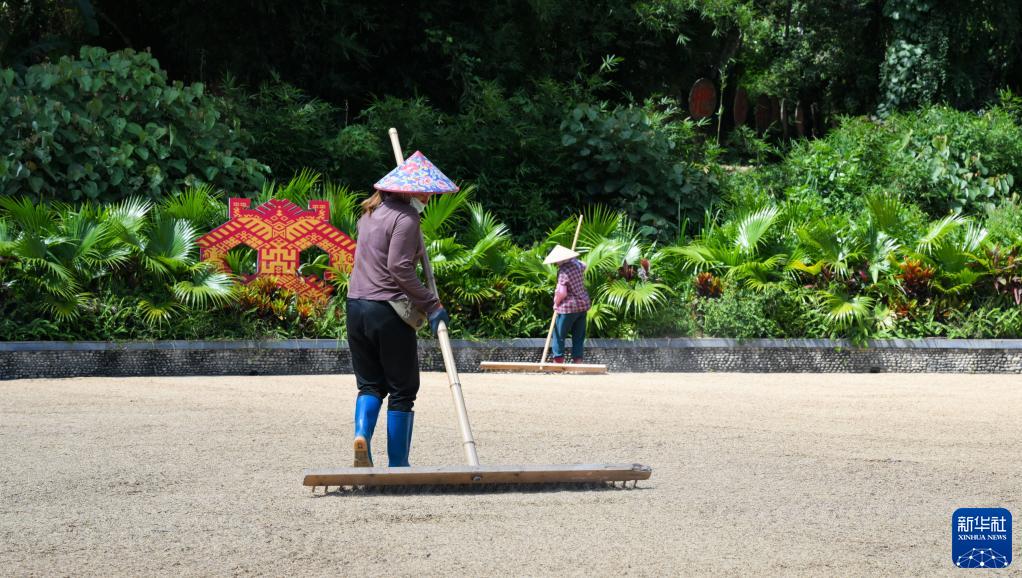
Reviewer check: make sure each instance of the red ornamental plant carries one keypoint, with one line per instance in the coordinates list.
(708, 286)
(628, 271)
(271, 302)
(1006, 269)
(916, 279)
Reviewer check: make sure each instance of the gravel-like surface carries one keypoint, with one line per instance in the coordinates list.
(842, 475)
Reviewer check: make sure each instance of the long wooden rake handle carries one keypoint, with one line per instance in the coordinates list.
(550, 332)
(467, 440)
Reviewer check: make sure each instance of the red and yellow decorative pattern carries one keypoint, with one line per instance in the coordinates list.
(279, 231)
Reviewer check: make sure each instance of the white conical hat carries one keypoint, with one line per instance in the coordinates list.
(558, 254)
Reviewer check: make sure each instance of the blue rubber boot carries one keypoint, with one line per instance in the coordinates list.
(399, 437)
(367, 410)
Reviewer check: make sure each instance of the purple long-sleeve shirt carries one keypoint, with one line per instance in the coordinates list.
(386, 253)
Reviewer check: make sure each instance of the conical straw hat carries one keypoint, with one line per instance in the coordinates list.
(416, 175)
(558, 254)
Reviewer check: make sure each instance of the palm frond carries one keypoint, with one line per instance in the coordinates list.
(938, 232)
(298, 190)
(128, 217)
(640, 298)
(92, 241)
(241, 260)
(881, 254)
(487, 239)
(696, 256)
(601, 315)
(344, 207)
(35, 251)
(441, 212)
(668, 265)
(27, 215)
(445, 253)
(843, 310)
(200, 205)
(600, 222)
(170, 246)
(562, 234)
(483, 225)
(513, 311)
(65, 307)
(527, 273)
(339, 278)
(158, 313)
(973, 238)
(829, 245)
(758, 274)
(474, 291)
(603, 257)
(957, 282)
(885, 210)
(206, 287)
(753, 227)
(6, 239)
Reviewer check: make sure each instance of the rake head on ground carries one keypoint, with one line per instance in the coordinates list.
(546, 487)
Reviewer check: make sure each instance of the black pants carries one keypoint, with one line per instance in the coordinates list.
(383, 353)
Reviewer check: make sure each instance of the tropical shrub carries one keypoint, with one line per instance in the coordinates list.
(284, 127)
(620, 157)
(769, 269)
(57, 258)
(508, 145)
(542, 153)
(107, 126)
(130, 270)
(1004, 222)
(738, 313)
(944, 160)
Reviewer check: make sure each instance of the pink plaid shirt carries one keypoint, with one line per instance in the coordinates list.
(571, 284)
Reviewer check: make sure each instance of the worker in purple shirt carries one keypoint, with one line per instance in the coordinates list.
(387, 303)
(571, 301)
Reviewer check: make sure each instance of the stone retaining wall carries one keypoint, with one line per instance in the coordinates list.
(22, 360)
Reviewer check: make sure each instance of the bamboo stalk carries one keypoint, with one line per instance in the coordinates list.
(467, 440)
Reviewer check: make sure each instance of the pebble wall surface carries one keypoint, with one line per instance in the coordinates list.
(27, 360)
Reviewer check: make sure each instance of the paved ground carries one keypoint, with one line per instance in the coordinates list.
(841, 475)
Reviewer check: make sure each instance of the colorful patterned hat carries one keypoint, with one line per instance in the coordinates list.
(416, 175)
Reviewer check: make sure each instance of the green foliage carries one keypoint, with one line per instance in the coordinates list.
(746, 314)
(286, 127)
(987, 322)
(850, 56)
(509, 145)
(1004, 222)
(968, 160)
(947, 51)
(58, 258)
(107, 126)
(622, 157)
(913, 67)
(31, 30)
(802, 50)
(128, 271)
(944, 160)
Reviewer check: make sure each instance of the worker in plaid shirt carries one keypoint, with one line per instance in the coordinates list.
(571, 301)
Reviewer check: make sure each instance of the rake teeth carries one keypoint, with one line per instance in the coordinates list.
(468, 489)
(469, 479)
